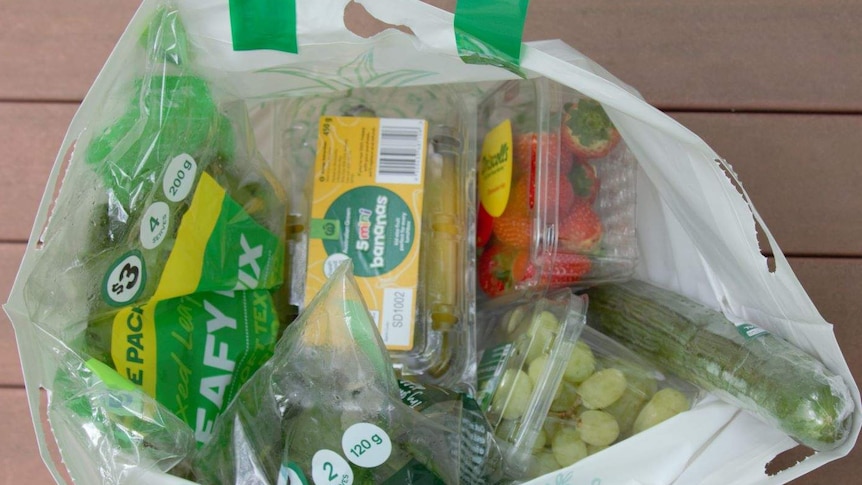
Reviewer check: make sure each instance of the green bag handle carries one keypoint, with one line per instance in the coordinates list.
(263, 24)
(490, 31)
(486, 31)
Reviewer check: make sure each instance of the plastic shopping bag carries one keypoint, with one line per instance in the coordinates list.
(185, 96)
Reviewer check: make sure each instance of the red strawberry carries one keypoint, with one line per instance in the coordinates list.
(525, 152)
(514, 231)
(585, 182)
(586, 130)
(560, 193)
(494, 269)
(520, 199)
(564, 269)
(580, 230)
(484, 226)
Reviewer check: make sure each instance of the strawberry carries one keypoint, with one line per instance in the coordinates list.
(525, 152)
(520, 199)
(484, 226)
(585, 182)
(561, 193)
(581, 229)
(514, 231)
(494, 269)
(563, 269)
(586, 130)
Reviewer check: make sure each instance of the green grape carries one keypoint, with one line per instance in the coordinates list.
(542, 332)
(625, 410)
(568, 447)
(565, 399)
(536, 368)
(506, 429)
(543, 463)
(597, 428)
(664, 405)
(641, 387)
(513, 319)
(550, 426)
(581, 364)
(513, 395)
(541, 441)
(602, 388)
(593, 449)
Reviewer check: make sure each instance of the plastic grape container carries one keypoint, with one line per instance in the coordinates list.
(524, 361)
(385, 177)
(606, 394)
(556, 192)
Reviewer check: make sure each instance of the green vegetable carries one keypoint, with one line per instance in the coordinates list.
(759, 372)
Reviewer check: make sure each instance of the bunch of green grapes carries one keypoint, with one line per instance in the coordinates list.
(601, 400)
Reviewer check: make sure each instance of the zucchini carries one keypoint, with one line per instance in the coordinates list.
(753, 369)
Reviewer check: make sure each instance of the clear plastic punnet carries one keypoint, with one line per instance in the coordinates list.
(607, 394)
(386, 177)
(556, 187)
(527, 348)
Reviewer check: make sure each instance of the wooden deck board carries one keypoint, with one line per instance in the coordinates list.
(31, 134)
(800, 171)
(10, 367)
(716, 54)
(53, 52)
(19, 454)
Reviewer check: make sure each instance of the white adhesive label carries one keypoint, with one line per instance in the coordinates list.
(180, 177)
(333, 262)
(397, 317)
(366, 445)
(154, 225)
(329, 468)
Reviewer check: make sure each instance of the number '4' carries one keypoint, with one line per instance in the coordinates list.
(154, 223)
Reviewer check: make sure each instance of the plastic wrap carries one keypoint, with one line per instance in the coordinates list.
(739, 362)
(158, 268)
(541, 336)
(385, 177)
(556, 191)
(327, 406)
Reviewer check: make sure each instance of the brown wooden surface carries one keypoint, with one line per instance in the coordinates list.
(790, 69)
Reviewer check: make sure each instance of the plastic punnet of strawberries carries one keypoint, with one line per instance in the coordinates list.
(552, 232)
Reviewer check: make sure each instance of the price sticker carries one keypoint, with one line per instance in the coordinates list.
(179, 177)
(329, 468)
(366, 445)
(125, 280)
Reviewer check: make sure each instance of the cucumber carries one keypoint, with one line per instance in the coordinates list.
(757, 371)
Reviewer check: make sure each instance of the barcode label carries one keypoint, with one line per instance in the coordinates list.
(400, 150)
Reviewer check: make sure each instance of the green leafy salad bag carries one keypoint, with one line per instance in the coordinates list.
(327, 408)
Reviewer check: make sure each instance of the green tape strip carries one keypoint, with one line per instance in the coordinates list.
(263, 24)
(490, 31)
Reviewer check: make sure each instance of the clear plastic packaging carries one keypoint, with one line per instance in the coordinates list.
(527, 348)
(607, 394)
(385, 177)
(741, 363)
(556, 191)
(156, 273)
(327, 408)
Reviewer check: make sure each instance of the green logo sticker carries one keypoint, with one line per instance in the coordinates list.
(376, 229)
(749, 331)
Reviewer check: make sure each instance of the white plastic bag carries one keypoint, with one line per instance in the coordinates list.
(696, 232)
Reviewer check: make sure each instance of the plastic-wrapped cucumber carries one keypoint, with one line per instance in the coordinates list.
(744, 365)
